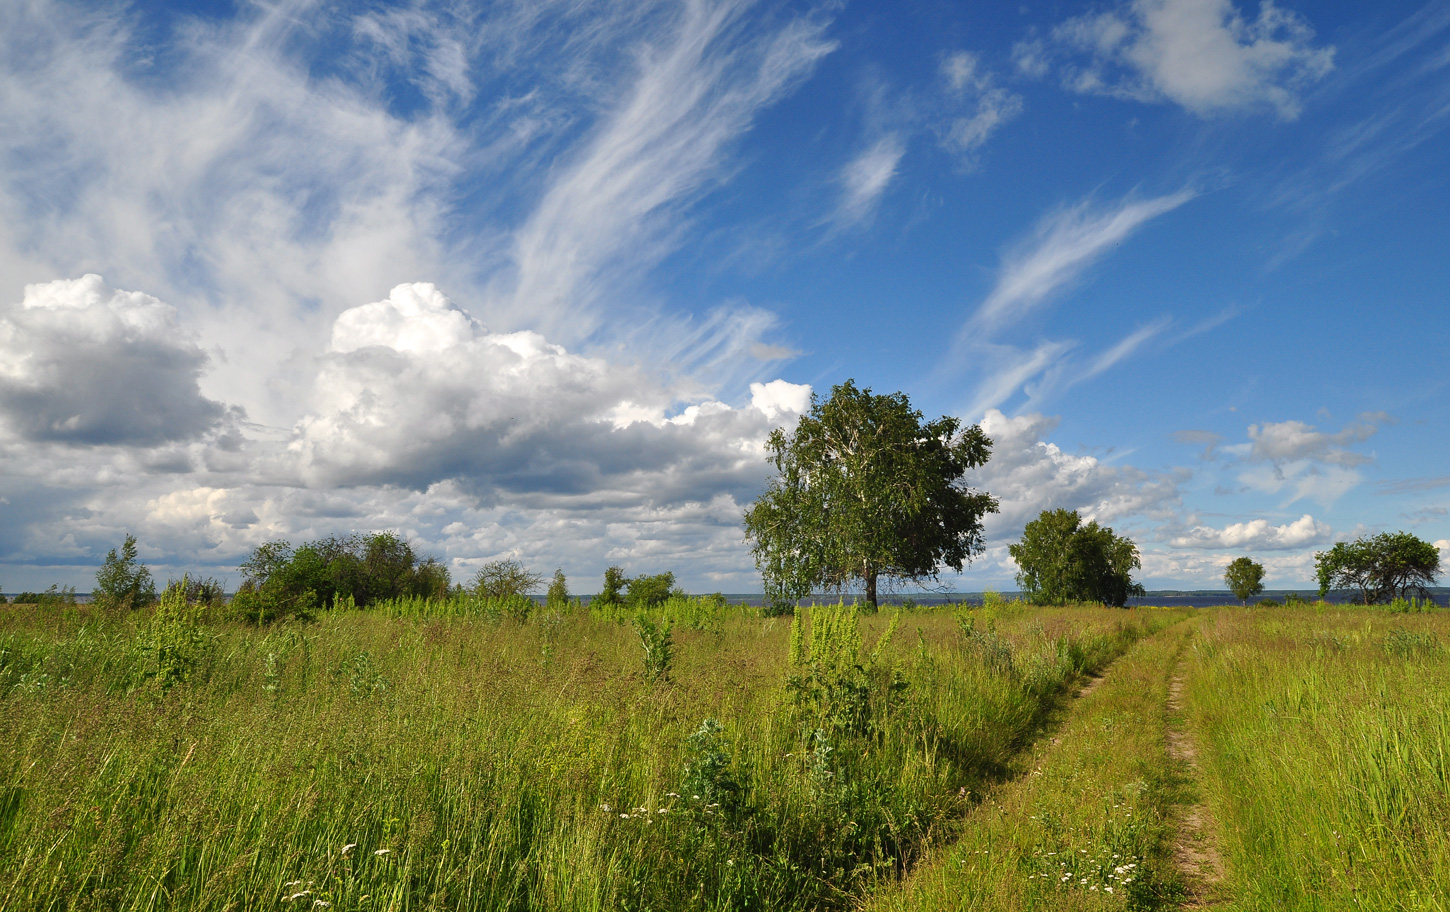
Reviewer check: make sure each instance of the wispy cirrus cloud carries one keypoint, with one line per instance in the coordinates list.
(1061, 247)
(695, 90)
(865, 178)
(981, 105)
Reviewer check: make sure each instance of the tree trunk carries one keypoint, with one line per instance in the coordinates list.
(871, 589)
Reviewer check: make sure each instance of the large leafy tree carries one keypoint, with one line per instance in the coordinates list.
(1061, 559)
(1244, 578)
(864, 490)
(1387, 566)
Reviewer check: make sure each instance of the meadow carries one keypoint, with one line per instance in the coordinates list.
(422, 755)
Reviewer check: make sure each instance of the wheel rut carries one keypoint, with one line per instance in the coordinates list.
(1196, 849)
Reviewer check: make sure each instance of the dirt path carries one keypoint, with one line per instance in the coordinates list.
(1196, 848)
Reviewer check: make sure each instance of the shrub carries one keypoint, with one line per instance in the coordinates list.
(658, 646)
(174, 644)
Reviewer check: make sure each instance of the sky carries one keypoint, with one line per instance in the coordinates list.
(536, 279)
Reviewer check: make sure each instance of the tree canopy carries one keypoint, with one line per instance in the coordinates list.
(1387, 566)
(123, 582)
(279, 580)
(865, 489)
(1244, 578)
(1062, 560)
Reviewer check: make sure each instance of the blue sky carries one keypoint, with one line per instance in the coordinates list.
(535, 279)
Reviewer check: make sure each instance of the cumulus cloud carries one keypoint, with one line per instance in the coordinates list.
(1257, 534)
(1295, 440)
(83, 363)
(1029, 474)
(412, 392)
(1201, 54)
(1295, 458)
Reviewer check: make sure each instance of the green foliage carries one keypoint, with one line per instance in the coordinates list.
(658, 646)
(54, 596)
(864, 490)
(280, 581)
(505, 578)
(1391, 565)
(613, 592)
(175, 643)
(711, 787)
(1060, 560)
(827, 674)
(123, 583)
(558, 596)
(649, 591)
(1244, 578)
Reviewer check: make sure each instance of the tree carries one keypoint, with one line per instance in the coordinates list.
(646, 591)
(613, 591)
(123, 582)
(1388, 566)
(505, 579)
(558, 596)
(1244, 578)
(1061, 560)
(865, 490)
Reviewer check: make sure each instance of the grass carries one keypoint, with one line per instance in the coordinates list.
(1088, 824)
(396, 759)
(491, 756)
(1325, 744)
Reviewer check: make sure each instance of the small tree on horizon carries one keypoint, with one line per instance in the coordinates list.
(505, 578)
(1244, 578)
(123, 582)
(558, 596)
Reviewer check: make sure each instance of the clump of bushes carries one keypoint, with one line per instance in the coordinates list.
(281, 581)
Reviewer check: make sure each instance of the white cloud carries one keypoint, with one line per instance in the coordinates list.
(982, 105)
(695, 90)
(514, 415)
(1295, 440)
(1201, 54)
(83, 363)
(1257, 534)
(865, 178)
(1028, 474)
(1060, 248)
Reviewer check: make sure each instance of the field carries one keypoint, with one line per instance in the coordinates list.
(709, 758)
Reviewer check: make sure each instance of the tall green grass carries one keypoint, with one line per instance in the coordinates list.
(1088, 824)
(1326, 755)
(397, 759)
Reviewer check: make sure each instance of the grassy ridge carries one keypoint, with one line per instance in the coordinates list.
(1325, 742)
(378, 762)
(1090, 824)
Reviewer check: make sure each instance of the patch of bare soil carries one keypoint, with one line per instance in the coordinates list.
(1089, 687)
(1196, 848)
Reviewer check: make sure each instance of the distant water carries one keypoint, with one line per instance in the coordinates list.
(1159, 599)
